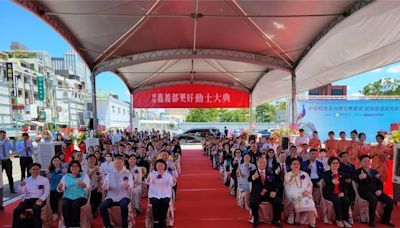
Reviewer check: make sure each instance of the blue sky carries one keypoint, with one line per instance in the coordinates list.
(20, 25)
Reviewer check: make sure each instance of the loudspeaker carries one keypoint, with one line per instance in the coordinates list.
(285, 142)
(91, 124)
(252, 137)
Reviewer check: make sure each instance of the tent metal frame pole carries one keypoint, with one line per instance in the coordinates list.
(131, 112)
(293, 100)
(94, 103)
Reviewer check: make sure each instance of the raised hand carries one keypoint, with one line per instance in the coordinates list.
(256, 175)
(363, 175)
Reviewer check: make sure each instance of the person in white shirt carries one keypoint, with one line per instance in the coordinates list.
(118, 185)
(78, 155)
(25, 150)
(300, 140)
(136, 173)
(35, 144)
(160, 192)
(36, 189)
(108, 165)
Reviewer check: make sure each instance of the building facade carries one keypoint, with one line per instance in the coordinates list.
(112, 112)
(37, 93)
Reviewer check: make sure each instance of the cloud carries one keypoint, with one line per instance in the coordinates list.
(394, 69)
(356, 94)
(377, 70)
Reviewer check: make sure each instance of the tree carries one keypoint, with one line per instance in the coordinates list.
(281, 105)
(202, 115)
(235, 115)
(382, 87)
(266, 113)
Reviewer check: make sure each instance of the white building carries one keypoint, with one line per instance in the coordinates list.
(111, 111)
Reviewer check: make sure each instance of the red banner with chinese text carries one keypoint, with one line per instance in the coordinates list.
(191, 96)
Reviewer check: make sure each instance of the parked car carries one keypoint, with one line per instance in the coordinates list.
(237, 132)
(196, 135)
(265, 133)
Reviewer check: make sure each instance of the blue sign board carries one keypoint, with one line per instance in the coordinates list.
(368, 116)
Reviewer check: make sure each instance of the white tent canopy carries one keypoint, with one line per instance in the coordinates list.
(256, 46)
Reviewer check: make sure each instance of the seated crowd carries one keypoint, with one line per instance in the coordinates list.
(307, 178)
(139, 164)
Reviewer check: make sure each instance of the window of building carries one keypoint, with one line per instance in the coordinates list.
(35, 96)
(26, 79)
(34, 81)
(119, 110)
(20, 92)
(113, 109)
(123, 111)
(337, 92)
(314, 92)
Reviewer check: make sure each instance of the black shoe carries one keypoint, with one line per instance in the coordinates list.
(276, 223)
(371, 224)
(1, 209)
(389, 224)
(309, 226)
(255, 224)
(13, 191)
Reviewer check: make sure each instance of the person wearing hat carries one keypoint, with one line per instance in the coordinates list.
(25, 151)
(370, 188)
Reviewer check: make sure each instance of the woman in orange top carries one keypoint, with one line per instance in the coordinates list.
(362, 148)
(353, 149)
(314, 142)
(343, 144)
(379, 155)
(331, 145)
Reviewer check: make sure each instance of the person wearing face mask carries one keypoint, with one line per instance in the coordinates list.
(160, 192)
(108, 165)
(323, 159)
(118, 185)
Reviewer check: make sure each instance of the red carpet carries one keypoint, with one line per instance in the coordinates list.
(202, 200)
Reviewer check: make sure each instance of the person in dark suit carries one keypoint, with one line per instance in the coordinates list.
(334, 190)
(370, 188)
(293, 155)
(280, 170)
(314, 168)
(264, 188)
(348, 170)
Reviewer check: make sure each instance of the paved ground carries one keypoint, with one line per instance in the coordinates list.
(17, 178)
